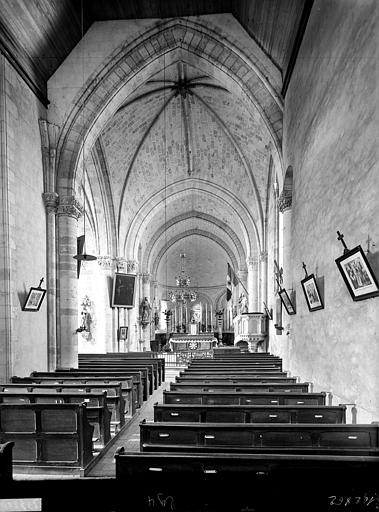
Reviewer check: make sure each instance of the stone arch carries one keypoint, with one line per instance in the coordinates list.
(157, 201)
(99, 98)
(153, 242)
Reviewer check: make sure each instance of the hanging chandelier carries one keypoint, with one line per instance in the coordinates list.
(182, 293)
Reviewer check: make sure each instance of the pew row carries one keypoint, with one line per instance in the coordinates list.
(299, 387)
(245, 482)
(131, 389)
(250, 413)
(193, 378)
(98, 413)
(300, 438)
(47, 435)
(243, 398)
(118, 407)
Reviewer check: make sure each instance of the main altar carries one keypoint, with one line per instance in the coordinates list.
(191, 342)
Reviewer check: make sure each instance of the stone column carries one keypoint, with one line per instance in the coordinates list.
(133, 316)
(285, 207)
(68, 212)
(51, 200)
(146, 287)
(252, 283)
(106, 265)
(263, 261)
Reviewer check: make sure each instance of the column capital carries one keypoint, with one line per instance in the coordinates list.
(69, 206)
(284, 202)
(242, 274)
(51, 200)
(252, 262)
(126, 266)
(263, 256)
(105, 262)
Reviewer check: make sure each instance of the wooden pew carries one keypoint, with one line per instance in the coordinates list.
(119, 392)
(247, 482)
(98, 413)
(209, 374)
(299, 387)
(242, 366)
(293, 438)
(120, 358)
(105, 366)
(250, 413)
(6, 470)
(47, 435)
(234, 379)
(130, 380)
(243, 398)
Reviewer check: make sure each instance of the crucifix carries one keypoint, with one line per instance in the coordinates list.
(40, 283)
(278, 274)
(340, 238)
(305, 269)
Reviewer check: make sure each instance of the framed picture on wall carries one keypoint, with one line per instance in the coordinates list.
(312, 293)
(34, 299)
(123, 333)
(123, 290)
(357, 274)
(286, 301)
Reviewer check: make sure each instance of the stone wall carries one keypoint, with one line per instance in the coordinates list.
(23, 337)
(330, 139)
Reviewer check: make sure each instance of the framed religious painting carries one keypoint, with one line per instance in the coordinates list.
(123, 333)
(357, 274)
(34, 299)
(286, 301)
(312, 293)
(123, 290)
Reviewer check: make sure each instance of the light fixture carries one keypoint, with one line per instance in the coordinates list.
(183, 293)
(83, 256)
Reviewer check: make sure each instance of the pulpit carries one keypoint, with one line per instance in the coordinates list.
(250, 330)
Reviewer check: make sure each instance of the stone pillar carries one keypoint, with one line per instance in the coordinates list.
(285, 207)
(68, 212)
(146, 287)
(51, 200)
(252, 283)
(263, 261)
(133, 316)
(106, 266)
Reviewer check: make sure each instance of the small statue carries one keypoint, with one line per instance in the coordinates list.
(243, 304)
(145, 311)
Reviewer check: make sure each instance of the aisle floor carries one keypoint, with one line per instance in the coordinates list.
(128, 437)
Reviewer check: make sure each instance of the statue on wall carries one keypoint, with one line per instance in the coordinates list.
(145, 309)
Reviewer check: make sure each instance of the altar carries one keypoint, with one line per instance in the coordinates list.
(190, 342)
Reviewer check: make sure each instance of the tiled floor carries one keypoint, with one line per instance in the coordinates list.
(129, 436)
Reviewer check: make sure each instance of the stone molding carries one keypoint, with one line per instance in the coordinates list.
(284, 203)
(69, 206)
(146, 278)
(264, 256)
(105, 262)
(51, 200)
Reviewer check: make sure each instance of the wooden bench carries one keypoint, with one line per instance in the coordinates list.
(98, 413)
(234, 379)
(47, 435)
(247, 482)
(299, 387)
(250, 413)
(130, 380)
(294, 438)
(112, 360)
(209, 374)
(104, 366)
(241, 366)
(243, 398)
(120, 394)
(6, 471)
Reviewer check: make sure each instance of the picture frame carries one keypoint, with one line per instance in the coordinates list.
(122, 333)
(286, 301)
(312, 293)
(123, 294)
(357, 274)
(34, 299)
